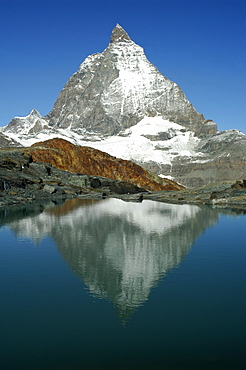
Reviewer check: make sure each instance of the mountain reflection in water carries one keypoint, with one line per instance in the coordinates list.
(119, 249)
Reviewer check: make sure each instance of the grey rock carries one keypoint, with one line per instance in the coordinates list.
(49, 189)
(162, 136)
(24, 181)
(223, 159)
(115, 89)
(78, 180)
(8, 142)
(31, 124)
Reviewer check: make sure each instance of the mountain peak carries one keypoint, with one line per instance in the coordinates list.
(34, 113)
(119, 35)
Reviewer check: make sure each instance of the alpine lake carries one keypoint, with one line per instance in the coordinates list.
(117, 285)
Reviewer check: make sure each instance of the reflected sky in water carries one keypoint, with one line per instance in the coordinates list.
(119, 249)
(72, 274)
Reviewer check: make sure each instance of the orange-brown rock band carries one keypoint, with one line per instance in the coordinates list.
(80, 159)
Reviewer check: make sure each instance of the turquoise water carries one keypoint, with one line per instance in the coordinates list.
(116, 285)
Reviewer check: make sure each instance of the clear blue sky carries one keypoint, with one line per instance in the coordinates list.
(201, 45)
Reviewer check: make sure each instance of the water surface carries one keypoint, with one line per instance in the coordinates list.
(117, 285)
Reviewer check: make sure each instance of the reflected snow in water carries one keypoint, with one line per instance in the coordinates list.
(94, 264)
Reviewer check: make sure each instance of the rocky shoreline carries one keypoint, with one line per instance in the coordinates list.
(24, 181)
(216, 195)
(41, 182)
(219, 195)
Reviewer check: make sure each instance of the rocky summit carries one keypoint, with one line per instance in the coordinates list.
(119, 103)
(115, 89)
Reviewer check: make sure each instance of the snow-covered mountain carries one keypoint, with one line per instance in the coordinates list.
(30, 124)
(120, 103)
(115, 89)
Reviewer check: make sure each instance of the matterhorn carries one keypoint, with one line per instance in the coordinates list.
(120, 103)
(115, 89)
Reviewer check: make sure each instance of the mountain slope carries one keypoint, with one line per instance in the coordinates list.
(67, 156)
(7, 142)
(24, 126)
(115, 89)
(119, 103)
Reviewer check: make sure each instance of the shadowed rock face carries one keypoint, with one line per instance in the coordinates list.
(7, 142)
(73, 158)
